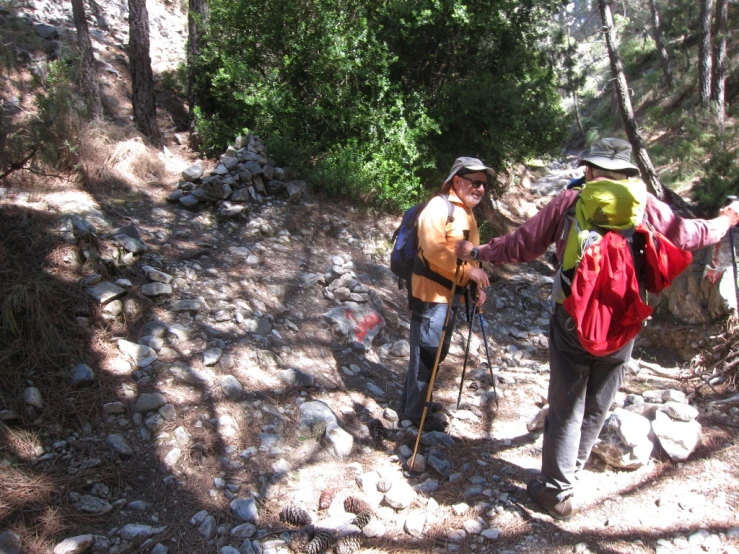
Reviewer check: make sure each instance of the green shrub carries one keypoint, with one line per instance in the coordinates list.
(376, 99)
(175, 80)
(215, 134)
(721, 179)
(59, 111)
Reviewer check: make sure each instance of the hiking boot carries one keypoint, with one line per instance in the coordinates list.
(436, 407)
(547, 499)
(430, 424)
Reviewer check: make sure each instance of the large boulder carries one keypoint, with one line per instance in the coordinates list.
(624, 440)
(339, 441)
(678, 438)
(315, 417)
(193, 173)
(359, 322)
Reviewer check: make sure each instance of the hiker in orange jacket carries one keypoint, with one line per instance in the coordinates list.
(582, 386)
(432, 281)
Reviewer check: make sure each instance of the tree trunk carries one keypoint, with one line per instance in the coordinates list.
(624, 103)
(197, 21)
(648, 173)
(718, 80)
(663, 55)
(578, 119)
(571, 84)
(88, 76)
(704, 52)
(142, 78)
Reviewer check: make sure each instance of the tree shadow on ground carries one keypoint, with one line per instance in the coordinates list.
(216, 430)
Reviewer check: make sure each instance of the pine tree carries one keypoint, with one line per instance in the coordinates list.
(704, 52)
(718, 78)
(661, 48)
(649, 174)
(197, 24)
(87, 74)
(142, 78)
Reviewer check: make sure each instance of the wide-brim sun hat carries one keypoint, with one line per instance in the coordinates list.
(465, 163)
(611, 154)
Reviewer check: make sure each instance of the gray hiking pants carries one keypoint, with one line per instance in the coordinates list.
(427, 328)
(581, 390)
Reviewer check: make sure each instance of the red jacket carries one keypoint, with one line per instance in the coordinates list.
(532, 238)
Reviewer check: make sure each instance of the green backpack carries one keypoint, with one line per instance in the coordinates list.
(602, 206)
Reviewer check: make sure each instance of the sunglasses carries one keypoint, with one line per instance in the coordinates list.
(476, 184)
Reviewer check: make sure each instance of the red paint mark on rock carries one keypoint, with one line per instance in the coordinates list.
(363, 326)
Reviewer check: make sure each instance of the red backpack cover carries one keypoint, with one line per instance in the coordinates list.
(605, 301)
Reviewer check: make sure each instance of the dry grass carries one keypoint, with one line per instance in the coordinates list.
(24, 493)
(720, 359)
(117, 160)
(38, 334)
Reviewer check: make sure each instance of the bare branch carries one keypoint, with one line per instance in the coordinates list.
(15, 166)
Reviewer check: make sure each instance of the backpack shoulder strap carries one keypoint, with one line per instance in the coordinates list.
(450, 208)
(422, 266)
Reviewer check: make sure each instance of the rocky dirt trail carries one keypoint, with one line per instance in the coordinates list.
(249, 372)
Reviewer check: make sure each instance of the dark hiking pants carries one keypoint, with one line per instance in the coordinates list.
(427, 328)
(581, 390)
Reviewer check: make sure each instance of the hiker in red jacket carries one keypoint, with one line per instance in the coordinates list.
(582, 386)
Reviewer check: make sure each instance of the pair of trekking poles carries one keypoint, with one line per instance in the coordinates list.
(427, 403)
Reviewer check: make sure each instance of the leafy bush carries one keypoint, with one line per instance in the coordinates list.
(377, 98)
(51, 136)
(59, 116)
(720, 180)
(215, 134)
(175, 80)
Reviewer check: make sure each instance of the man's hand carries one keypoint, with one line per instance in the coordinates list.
(462, 250)
(731, 212)
(481, 297)
(481, 278)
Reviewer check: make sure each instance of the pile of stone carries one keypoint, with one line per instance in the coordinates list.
(342, 284)
(656, 417)
(244, 174)
(127, 538)
(640, 423)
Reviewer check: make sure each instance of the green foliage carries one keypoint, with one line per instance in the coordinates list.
(375, 99)
(54, 132)
(175, 80)
(721, 179)
(215, 133)
(59, 112)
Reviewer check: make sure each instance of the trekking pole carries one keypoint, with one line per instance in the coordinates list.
(487, 353)
(732, 241)
(427, 403)
(466, 356)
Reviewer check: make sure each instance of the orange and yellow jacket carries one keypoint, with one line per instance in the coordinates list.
(436, 238)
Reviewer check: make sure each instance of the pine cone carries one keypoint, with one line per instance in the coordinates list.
(348, 544)
(327, 496)
(377, 430)
(295, 515)
(355, 505)
(362, 519)
(320, 543)
(299, 540)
